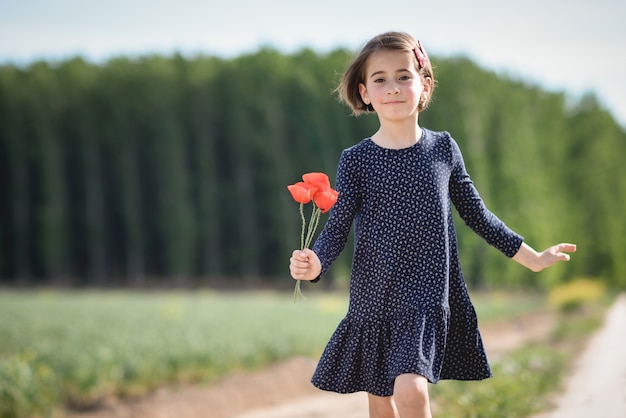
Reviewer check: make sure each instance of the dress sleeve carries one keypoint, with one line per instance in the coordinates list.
(332, 239)
(473, 211)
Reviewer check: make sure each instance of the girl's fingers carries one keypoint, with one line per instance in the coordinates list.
(298, 264)
(303, 264)
(559, 251)
(299, 255)
(568, 248)
(299, 269)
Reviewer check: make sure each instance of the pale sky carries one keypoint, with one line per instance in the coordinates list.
(561, 45)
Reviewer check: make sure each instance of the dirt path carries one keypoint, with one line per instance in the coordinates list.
(596, 386)
(284, 390)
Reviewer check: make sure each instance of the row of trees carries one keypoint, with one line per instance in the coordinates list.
(177, 168)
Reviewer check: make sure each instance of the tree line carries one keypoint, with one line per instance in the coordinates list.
(175, 168)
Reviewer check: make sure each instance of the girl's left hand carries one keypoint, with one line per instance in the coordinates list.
(555, 254)
(536, 262)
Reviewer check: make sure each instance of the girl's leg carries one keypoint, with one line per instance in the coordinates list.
(381, 406)
(410, 393)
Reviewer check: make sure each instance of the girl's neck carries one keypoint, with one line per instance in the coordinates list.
(397, 137)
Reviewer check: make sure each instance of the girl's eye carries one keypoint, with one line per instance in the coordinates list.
(405, 77)
(379, 80)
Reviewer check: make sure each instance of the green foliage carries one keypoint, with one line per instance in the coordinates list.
(496, 305)
(577, 294)
(518, 387)
(80, 348)
(176, 168)
(578, 323)
(27, 386)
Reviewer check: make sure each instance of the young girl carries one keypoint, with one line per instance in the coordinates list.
(410, 319)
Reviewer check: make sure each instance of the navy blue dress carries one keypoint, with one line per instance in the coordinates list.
(409, 309)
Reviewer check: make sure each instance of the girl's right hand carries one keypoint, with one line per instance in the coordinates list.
(304, 265)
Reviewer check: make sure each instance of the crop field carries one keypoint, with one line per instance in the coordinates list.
(78, 347)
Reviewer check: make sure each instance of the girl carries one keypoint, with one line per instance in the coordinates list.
(410, 320)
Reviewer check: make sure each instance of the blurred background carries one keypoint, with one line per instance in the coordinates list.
(148, 145)
(144, 143)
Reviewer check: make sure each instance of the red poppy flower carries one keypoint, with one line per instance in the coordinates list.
(325, 198)
(316, 179)
(302, 192)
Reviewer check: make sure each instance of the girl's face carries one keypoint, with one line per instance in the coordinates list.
(392, 84)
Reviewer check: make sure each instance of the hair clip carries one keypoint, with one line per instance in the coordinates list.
(422, 59)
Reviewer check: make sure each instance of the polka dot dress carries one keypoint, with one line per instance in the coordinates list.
(409, 308)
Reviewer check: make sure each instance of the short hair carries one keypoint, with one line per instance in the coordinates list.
(355, 73)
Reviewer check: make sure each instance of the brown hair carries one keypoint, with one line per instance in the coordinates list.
(348, 88)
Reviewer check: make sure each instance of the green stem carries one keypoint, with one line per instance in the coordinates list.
(305, 242)
(303, 226)
(297, 293)
(318, 215)
(312, 226)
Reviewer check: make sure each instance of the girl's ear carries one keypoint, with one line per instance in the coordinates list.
(363, 93)
(428, 86)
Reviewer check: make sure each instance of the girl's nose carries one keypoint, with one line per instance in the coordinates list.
(393, 89)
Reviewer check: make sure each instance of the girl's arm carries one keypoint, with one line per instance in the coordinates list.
(332, 240)
(535, 261)
(473, 211)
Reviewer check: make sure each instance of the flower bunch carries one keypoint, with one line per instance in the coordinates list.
(314, 187)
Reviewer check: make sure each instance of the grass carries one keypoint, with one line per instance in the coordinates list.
(517, 390)
(497, 305)
(91, 345)
(77, 348)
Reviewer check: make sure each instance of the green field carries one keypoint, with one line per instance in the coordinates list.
(76, 348)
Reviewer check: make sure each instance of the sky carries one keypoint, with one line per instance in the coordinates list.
(566, 46)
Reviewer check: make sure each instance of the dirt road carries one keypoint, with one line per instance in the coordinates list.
(596, 386)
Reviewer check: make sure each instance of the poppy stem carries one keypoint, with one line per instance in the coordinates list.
(297, 293)
(315, 220)
(303, 226)
(309, 235)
